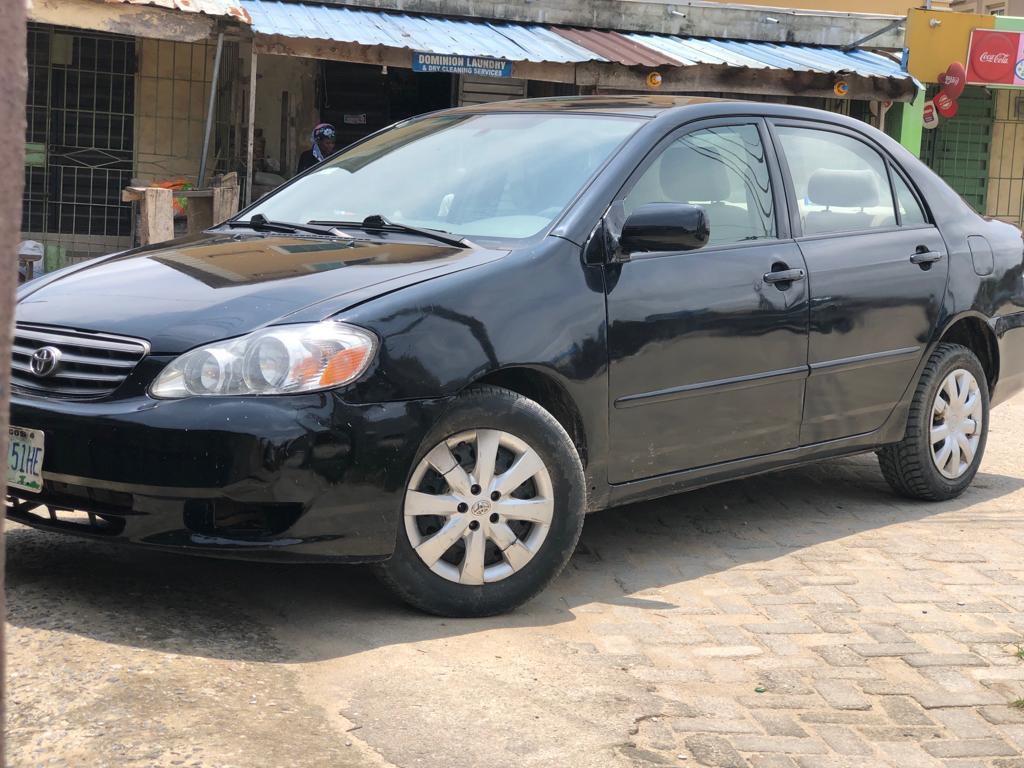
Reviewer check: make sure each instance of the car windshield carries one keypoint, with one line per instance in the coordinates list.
(504, 176)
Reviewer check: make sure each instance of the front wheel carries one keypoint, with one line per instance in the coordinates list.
(492, 511)
(946, 430)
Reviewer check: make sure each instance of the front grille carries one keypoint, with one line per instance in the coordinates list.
(89, 365)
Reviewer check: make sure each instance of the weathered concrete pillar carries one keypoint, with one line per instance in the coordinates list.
(12, 152)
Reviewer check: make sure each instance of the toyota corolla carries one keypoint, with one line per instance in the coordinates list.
(442, 347)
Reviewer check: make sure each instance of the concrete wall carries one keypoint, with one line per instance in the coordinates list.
(172, 89)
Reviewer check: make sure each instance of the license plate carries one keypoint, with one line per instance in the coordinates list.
(25, 459)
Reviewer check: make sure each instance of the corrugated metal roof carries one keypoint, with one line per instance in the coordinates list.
(515, 42)
(615, 47)
(689, 51)
(538, 43)
(232, 8)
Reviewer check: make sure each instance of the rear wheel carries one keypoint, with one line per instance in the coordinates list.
(493, 508)
(946, 430)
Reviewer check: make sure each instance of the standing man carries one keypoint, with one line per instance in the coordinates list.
(323, 138)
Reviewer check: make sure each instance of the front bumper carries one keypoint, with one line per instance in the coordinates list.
(297, 477)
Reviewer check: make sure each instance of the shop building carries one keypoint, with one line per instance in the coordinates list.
(174, 91)
(979, 148)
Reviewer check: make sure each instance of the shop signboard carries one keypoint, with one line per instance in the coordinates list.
(477, 66)
(996, 57)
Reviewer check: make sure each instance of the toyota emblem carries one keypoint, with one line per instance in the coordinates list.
(44, 361)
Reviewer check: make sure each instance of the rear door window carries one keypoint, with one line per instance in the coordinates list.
(840, 183)
(911, 213)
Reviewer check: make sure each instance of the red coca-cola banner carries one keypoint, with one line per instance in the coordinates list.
(995, 58)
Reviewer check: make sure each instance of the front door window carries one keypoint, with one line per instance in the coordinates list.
(722, 169)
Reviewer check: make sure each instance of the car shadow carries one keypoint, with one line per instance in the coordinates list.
(299, 613)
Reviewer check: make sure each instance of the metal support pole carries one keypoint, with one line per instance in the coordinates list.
(877, 33)
(252, 127)
(209, 110)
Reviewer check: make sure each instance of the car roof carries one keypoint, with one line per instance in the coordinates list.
(640, 105)
(665, 106)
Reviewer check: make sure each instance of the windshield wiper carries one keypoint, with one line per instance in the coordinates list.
(378, 222)
(261, 223)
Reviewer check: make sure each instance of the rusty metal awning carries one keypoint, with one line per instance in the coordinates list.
(691, 51)
(434, 34)
(230, 8)
(617, 48)
(602, 58)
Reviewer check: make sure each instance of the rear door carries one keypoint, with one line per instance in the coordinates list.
(877, 271)
(708, 351)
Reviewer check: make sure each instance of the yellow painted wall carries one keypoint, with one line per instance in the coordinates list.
(934, 46)
(894, 7)
(173, 90)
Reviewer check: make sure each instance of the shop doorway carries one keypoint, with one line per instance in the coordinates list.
(359, 99)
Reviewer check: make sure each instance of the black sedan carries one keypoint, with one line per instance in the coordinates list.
(439, 349)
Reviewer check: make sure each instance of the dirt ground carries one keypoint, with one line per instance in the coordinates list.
(807, 618)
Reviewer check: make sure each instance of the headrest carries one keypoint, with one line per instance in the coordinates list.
(688, 174)
(843, 189)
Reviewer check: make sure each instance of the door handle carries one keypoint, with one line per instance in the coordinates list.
(925, 257)
(783, 276)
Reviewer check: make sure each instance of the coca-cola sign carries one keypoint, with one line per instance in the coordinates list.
(994, 57)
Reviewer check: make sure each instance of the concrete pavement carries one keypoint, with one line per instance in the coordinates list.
(808, 618)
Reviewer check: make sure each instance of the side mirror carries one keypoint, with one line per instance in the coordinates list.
(664, 227)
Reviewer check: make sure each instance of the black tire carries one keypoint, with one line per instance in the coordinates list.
(488, 407)
(907, 465)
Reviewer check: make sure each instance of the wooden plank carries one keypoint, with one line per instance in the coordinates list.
(156, 215)
(200, 212)
(253, 63)
(133, 194)
(225, 203)
(724, 79)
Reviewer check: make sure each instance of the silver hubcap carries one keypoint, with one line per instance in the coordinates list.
(956, 424)
(479, 506)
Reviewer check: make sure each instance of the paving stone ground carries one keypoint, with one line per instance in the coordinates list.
(806, 619)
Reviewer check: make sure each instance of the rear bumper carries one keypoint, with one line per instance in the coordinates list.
(301, 477)
(1009, 330)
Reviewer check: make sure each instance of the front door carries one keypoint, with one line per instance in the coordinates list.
(877, 268)
(707, 348)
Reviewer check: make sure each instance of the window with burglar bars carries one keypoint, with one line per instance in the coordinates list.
(79, 139)
(1006, 183)
(958, 149)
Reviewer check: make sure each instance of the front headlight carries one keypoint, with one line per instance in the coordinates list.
(274, 361)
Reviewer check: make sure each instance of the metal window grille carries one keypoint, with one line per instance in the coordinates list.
(80, 140)
(958, 149)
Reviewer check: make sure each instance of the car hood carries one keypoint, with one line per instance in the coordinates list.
(182, 294)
